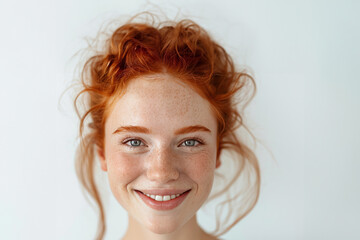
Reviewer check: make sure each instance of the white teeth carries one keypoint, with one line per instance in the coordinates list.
(158, 198)
(166, 198)
(163, 198)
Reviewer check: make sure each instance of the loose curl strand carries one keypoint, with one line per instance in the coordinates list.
(184, 50)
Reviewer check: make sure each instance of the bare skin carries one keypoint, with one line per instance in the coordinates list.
(191, 230)
(161, 135)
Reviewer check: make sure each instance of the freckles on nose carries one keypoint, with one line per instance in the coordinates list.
(161, 168)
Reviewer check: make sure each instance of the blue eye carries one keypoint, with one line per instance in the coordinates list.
(191, 143)
(134, 143)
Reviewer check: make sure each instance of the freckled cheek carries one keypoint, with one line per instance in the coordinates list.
(200, 168)
(122, 170)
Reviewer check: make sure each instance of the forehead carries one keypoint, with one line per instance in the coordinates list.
(154, 98)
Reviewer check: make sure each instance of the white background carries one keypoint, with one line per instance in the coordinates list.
(305, 57)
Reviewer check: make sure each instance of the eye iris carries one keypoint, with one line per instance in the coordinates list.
(190, 142)
(135, 142)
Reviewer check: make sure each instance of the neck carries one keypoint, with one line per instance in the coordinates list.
(191, 230)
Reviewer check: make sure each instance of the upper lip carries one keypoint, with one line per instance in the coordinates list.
(163, 192)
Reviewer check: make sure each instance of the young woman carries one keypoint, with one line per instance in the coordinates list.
(160, 112)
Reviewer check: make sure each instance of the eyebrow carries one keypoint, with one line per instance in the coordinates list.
(184, 130)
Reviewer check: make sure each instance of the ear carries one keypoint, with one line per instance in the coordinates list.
(103, 163)
(218, 163)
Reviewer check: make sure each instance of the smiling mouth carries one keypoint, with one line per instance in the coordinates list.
(163, 197)
(163, 202)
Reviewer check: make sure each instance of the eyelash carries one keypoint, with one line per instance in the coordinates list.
(126, 141)
(199, 142)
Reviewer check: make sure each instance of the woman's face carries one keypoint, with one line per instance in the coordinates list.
(160, 141)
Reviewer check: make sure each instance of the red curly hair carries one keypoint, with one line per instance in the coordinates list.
(184, 50)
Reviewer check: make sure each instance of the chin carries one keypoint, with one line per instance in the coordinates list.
(162, 227)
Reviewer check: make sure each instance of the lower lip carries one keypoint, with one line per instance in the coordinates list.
(163, 205)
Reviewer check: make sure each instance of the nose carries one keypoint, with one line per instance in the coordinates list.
(161, 166)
